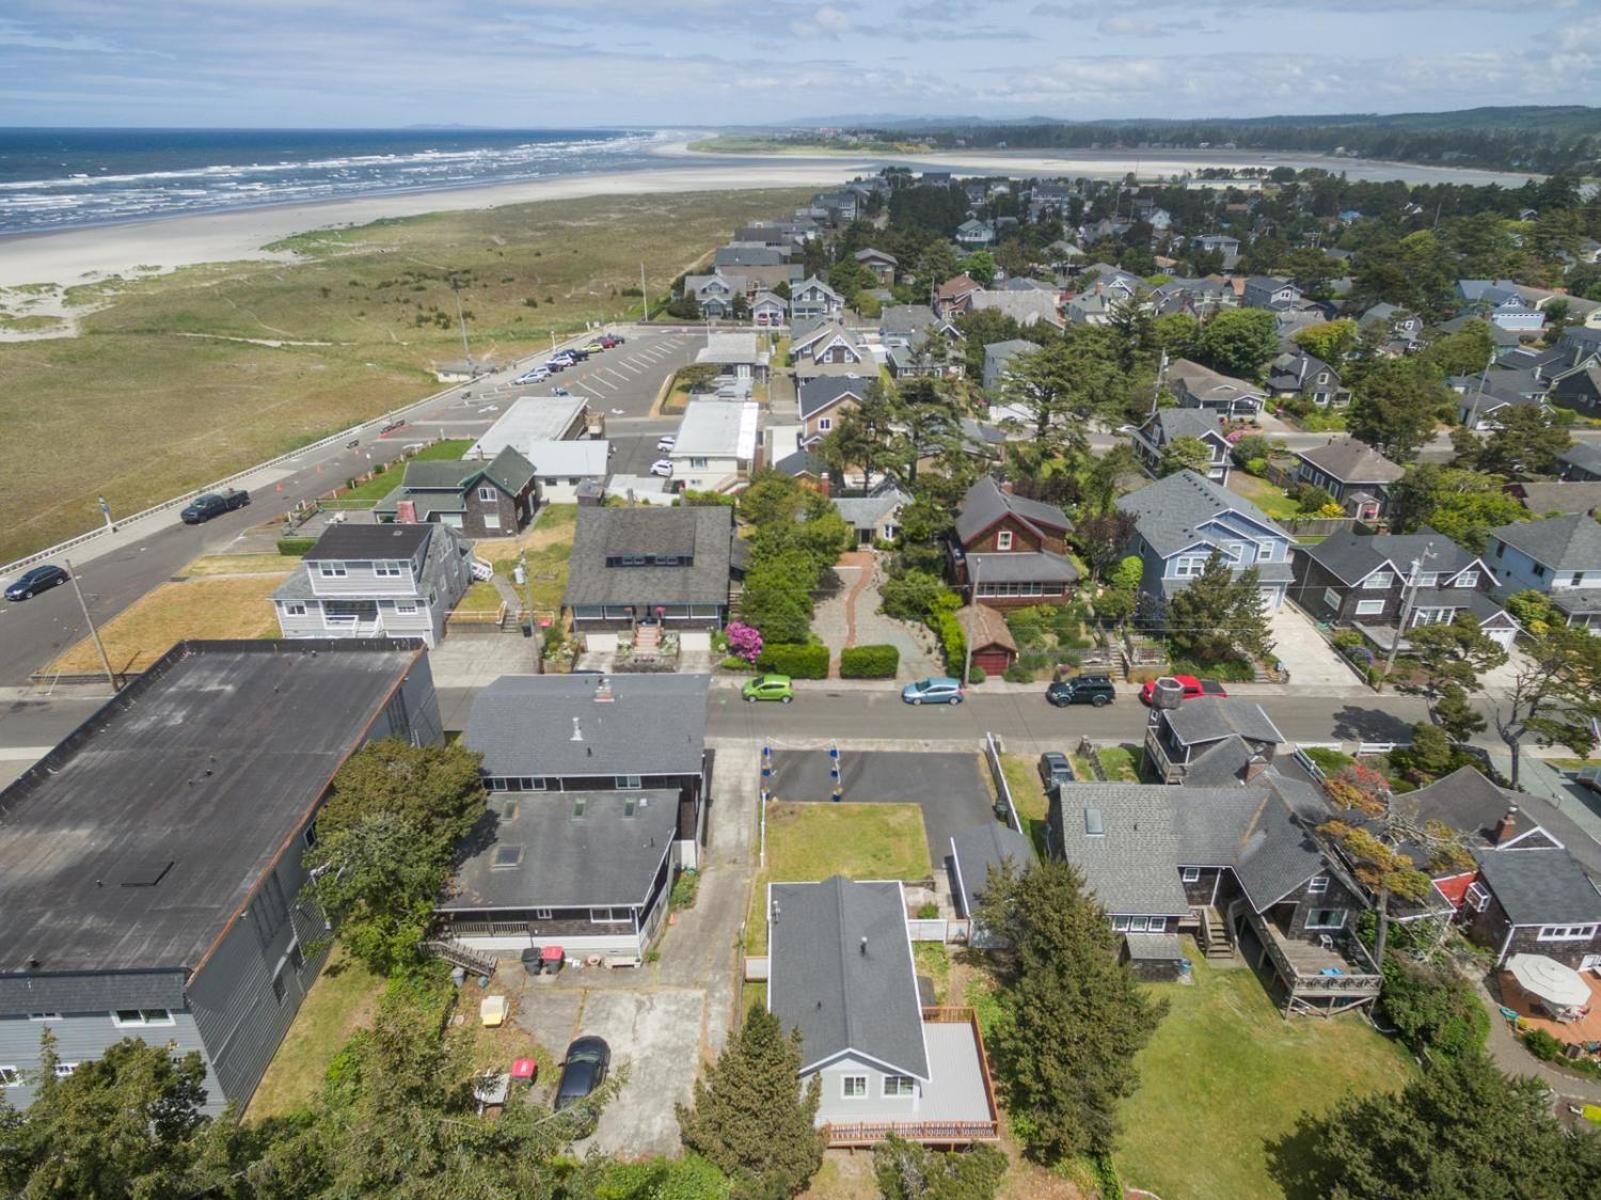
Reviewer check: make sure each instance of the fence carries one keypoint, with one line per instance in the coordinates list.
(927, 929)
(993, 749)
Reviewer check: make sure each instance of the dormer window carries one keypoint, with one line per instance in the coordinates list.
(332, 570)
(1003, 540)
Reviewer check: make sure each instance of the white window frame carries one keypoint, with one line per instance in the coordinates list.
(896, 1086)
(1188, 566)
(145, 1018)
(1119, 924)
(847, 1092)
(1468, 579)
(1344, 915)
(542, 914)
(1136, 924)
(629, 783)
(1191, 875)
(1317, 885)
(406, 607)
(609, 918)
(1265, 551)
(329, 569)
(1566, 933)
(1003, 540)
(65, 1069)
(294, 608)
(1378, 581)
(1477, 897)
(486, 493)
(1156, 925)
(1369, 608)
(1428, 578)
(386, 568)
(824, 424)
(10, 1075)
(44, 1016)
(1234, 551)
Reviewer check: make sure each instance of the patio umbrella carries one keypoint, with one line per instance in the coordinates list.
(1550, 980)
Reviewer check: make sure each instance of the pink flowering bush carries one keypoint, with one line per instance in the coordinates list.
(744, 641)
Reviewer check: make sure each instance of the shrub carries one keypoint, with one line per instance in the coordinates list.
(294, 547)
(869, 662)
(735, 664)
(908, 1171)
(951, 638)
(1250, 448)
(1315, 499)
(1018, 672)
(910, 596)
(796, 661)
(744, 641)
(684, 889)
(1257, 467)
(1435, 1009)
(976, 674)
(927, 912)
(1542, 1045)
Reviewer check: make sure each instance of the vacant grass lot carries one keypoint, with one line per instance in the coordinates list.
(386, 481)
(548, 544)
(181, 379)
(1271, 500)
(1028, 794)
(1225, 1074)
(219, 606)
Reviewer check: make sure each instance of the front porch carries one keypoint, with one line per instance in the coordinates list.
(1331, 975)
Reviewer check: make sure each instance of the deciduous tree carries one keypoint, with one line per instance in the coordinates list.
(1555, 694)
(1238, 341)
(1330, 341)
(1185, 454)
(1462, 505)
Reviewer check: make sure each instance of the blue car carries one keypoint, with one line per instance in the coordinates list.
(941, 689)
(40, 579)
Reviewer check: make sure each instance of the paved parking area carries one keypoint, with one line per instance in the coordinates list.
(1311, 661)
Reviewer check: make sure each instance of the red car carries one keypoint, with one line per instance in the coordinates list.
(1193, 687)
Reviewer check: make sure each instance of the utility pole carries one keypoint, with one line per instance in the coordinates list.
(1472, 422)
(1408, 598)
(111, 676)
(455, 290)
(967, 642)
(644, 296)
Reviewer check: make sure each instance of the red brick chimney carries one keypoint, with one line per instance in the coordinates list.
(1505, 828)
(1006, 487)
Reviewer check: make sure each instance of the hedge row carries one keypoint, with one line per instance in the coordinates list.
(869, 662)
(294, 547)
(951, 639)
(796, 661)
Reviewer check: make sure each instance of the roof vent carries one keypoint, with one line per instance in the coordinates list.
(603, 692)
(864, 946)
(1094, 826)
(578, 733)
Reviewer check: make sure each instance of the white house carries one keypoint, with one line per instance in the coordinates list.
(561, 466)
(716, 443)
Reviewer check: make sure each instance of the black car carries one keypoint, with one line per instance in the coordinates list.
(1082, 689)
(583, 1071)
(1054, 768)
(214, 504)
(40, 579)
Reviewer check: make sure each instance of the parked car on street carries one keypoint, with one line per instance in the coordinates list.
(537, 375)
(1055, 769)
(582, 1071)
(612, 339)
(1082, 689)
(769, 687)
(213, 504)
(40, 579)
(593, 348)
(662, 467)
(938, 689)
(667, 442)
(1193, 687)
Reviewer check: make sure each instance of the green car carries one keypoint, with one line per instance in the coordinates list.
(593, 348)
(769, 687)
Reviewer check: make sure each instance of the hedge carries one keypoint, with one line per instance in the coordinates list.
(869, 662)
(951, 638)
(796, 661)
(294, 547)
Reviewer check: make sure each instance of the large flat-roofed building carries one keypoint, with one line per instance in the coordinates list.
(150, 864)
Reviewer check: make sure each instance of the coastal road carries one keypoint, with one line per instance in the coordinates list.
(116, 569)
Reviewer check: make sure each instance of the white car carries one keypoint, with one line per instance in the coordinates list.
(666, 443)
(537, 375)
(662, 467)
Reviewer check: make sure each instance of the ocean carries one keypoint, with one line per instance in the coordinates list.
(55, 179)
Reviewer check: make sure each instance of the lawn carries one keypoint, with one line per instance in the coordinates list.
(227, 607)
(1028, 794)
(343, 998)
(548, 544)
(1225, 1074)
(387, 480)
(1271, 500)
(808, 841)
(481, 597)
(184, 378)
(239, 564)
(1120, 763)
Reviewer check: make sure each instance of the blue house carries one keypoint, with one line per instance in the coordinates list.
(1500, 303)
(1560, 556)
(1181, 520)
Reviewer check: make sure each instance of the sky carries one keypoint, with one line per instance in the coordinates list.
(566, 63)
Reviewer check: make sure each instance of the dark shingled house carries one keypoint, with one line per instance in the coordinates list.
(668, 566)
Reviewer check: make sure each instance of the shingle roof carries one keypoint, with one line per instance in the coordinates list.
(362, 543)
(1570, 543)
(523, 725)
(1168, 511)
(1585, 455)
(1206, 384)
(986, 504)
(1175, 423)
(1210, 719)
(1562, 497)
(865, 512)
(984, 626)
(823, 391)
(706, 530)
(1541, 887)
(841, 972)
(1352, 556)
(1464, 800)
(978, 849)
(1351, 461)
(1132, 864)
(1012, 567)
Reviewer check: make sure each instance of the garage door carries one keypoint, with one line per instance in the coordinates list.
(993, 662)
(698, 640)
(1502, 637)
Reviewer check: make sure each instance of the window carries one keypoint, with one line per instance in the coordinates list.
(294, 608)
(1567, 933)
(405, 606)
(1120, 924)
(825, 424)
(1003, 540)
(1539, 571)
(1318, 885)
(900, 1085)
(389, 570)
(1234, 551)
(486, 494)
(1500, 549)
(1468, 579)
(1378, 581)
(541, 914)
(1157, 925)
(1369, 608)
(1191, 875)
(628, 783)
(610, 916)
(310, 834)
(506, 856)
(279, 989)
(44, 1016)
(64, 1069)
(1577, 580)
(1136, 924)
(1478, 897)
(10, 1076)
(296, 958)
(1326, 918)
(1428, 579)
(332, 570)
(134, 1018)
(1185, 568)
(1265, 551)
(853, 1087)
(697, 464)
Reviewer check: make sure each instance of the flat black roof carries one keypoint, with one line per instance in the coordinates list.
(363, 542)
(132, 844)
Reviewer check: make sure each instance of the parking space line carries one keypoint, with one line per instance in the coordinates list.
(586, 387)
(615, 372)
(605, 383)
(631, 370)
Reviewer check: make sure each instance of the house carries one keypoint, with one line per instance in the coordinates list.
(1116, 283)
(716, 295)
(768, 309)
(989, 640)
(1180, 521)
(829, 343)
(975, 235)
(652, 566)
(1264, 291)
(1389, 321)
(1297, 373)
(842, 206)
(1091, 308)
(741, 355)
(716, 445)
(814, 298)
(758, 279)
(637, 489)
(952, 297)
(1535, 901)
(1198, 297)
(598, 787)
(1581, 462)
(1195, 386)
(150, 867)
(975, 853)
(875, 518)
(1548, 499)
(912, 324)
(1167, 425)
(1354, 473)
(841, 972)
(880, 262)
(822, 399)
(1008, 551)
(1363, 581)
(747, 254)
(1214, 742)
(481, 499)
(998, 357)
(563, 467)
(1504, 340)
(374, 581)
(1494, 391)
(1498, 301)
(1027, 308)
(530, 419)
(1238, 864)
(1560, 557)
(1585, 312)
(1219, 243)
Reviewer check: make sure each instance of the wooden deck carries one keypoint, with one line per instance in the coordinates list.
(1317, 979)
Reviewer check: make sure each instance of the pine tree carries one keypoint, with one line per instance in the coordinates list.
(1219, 616)
(750, 1115)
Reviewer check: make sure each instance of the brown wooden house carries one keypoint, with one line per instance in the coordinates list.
(1008, 551)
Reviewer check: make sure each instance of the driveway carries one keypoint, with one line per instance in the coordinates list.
(849, 616)
(1311, 661)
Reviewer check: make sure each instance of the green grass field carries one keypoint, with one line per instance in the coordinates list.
(181, 379)
(1225, 1074)
(1028, 794)
(1271, 500)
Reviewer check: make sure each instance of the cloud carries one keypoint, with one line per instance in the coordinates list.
(19, 36)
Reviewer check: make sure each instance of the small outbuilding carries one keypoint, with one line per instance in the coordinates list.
(991, 643)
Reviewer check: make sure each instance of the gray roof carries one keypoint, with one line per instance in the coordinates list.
(1220, 764)
(578, 850)
(1039, 566)
(508, 470)
(1153, 947)
(802, 462)
(986, 504)
(1168, 511)
(524, 725)
(349, 542)
(1541, 887)
(704, 531)
(1026, 308)
(978, 849)
(1570, 543)
(1585, 455)
(1206, 384)
(1177, 423)
(1004, 351)
(821, 391)
(907, 319)
(1562, 497)
(841, 972)
(133, 844)
(1465, 801)
(1211, 719)
(1351, 461)
(865, 512)
(1352, 556)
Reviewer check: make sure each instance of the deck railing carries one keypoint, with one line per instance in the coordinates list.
(1364, 981)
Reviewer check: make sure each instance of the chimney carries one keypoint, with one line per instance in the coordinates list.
(1006, 487)
(864, 947)
(1256, 765)
(578, 734)
(1505, 827)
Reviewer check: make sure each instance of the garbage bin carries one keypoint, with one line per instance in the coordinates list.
(533, 960)
(528, 629)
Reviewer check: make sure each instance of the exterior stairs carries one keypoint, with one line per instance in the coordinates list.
(1213, 934)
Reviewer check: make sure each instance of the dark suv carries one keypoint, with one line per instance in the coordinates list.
(1082, 689)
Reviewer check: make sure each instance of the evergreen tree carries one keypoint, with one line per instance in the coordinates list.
(1219, 616)
(750, 1116)
(1238, 341)
(908, 1171)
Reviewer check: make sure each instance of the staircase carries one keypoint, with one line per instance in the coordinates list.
(1213, 934)
(647, 639)
(461, 956)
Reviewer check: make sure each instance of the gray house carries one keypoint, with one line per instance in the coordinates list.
(364, 581)
(150, 865)
(1167, 425)
(1354, 473)
(975, 853)
(841, 972)
(1195, 386)
(998, 357)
